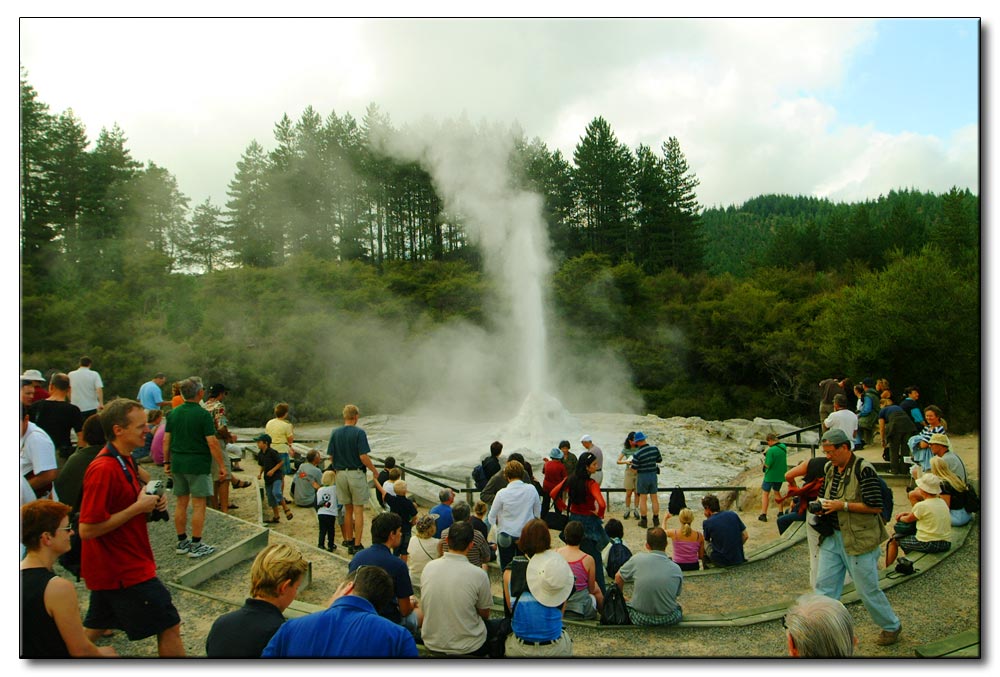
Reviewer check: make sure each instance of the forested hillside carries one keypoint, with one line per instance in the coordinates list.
(328, 255)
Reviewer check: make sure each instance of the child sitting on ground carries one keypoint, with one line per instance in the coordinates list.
(327, 511)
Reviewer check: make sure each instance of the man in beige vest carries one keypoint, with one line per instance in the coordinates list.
(852, 503)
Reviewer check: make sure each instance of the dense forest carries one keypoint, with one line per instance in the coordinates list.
(328, 254)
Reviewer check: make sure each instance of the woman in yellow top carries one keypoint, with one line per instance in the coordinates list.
(282, 435)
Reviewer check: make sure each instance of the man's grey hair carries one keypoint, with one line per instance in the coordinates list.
(445, 495)
(190, 387)
(821, 627)
(460, 511)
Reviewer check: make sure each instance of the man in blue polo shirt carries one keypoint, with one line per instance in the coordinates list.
(387, 534)
(151, 393)
(350, 627)
(725, 534)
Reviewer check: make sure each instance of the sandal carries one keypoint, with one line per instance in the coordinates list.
(242, 484)
(272, 521)
(288, 514)
(232, 506)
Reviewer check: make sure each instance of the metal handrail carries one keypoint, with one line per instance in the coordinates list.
(798, 443)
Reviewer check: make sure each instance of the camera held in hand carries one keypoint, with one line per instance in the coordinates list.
(815, 507)
(156, 488)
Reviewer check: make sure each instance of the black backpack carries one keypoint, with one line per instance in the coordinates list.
(972, 503)
(617, 556)
(479, 477)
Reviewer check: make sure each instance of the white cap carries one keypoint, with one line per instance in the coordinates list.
(586, 438)
(32, 375)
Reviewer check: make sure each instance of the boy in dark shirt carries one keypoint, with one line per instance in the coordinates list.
(402, 506)
(272, 471)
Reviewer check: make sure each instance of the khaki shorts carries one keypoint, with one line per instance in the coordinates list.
(352, 487)
(214, 473)
(630, 476)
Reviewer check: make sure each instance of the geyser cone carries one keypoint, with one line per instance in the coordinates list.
(539, 424)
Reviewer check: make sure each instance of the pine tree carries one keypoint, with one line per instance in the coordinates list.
(246, 210)
(36, 125)
(684, 239)
(602, 192)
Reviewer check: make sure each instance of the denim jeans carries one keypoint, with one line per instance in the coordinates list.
(834, 563)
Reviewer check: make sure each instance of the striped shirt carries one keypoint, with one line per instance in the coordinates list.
(645, 459)
(871, 490)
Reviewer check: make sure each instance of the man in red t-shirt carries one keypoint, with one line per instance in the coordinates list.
(117, 561)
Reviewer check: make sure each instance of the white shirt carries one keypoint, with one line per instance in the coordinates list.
(326, 495)
(451, 592)
(514, 506)
(38, 453)
(389, 487)
(843, 419)
(84, 383)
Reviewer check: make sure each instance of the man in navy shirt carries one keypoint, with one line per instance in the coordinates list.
(725, 534)
(387, 534)
(350, 627)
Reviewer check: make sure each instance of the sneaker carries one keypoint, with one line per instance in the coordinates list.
(642, 522)
(627, 513)
(656, 520)
(183, 547)
(762, 518)
(200, 550)
(886, 637)
(346, 543)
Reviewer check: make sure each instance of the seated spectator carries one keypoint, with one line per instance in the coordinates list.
(50, 611)
(387, 533)
(536, 584)
(933, 522)
(920, 444)
(443, 510)
(725, 534)
(401, 504)
(657, 583)
(689, 544)
(423, 548)
(953, 492)
(617, 553)
(456, 600)
(307, 481)
(819, 627)
(478, 519)
(586, 598)
(275, 577)
(350, 627)
(479, 553)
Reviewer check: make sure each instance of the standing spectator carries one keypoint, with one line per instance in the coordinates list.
(387, 533)
(689, 543)
(383, 476)
(70, 480)
(553, 474)
(176, 399)
(423, 548)
(38, 456)
(828, 388)
(491, 463)
(851, 398)
(895, 428)
(569, 458)
(588, 443)
(513, 507)
(37, 381)
(189, 447)
(151, 392)
(443, 510)
(401, 504)
(819, 627)
(587, 506)
(348, 451)
(537, 585)
(854, 508)
(327, 512)
(27, 393)
(272, 474)
(498, 481)
(868, 406)
(350, 627)
(282, 435)
(910, 406)
(50, 612)
(479, 553)
(221, 468)
(117, 560)
(725, 534)
(842, 418)
(644, 461)
(933, 520)
(775, 467)
(658, 582)
(625, 459)
(275, 577)
(812, 473)
(57, 417)
(86, 388)
(456, 598)
(307, 480)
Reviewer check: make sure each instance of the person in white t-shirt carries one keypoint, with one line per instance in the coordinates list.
(86, 388)
(38, 458)
(842, 418)
(327, 511)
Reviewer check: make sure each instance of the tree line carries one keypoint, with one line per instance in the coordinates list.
(324, 242)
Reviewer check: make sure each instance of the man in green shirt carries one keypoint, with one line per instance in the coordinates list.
(189, 445)
(775, 467)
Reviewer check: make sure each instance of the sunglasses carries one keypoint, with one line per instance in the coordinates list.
(67, 528)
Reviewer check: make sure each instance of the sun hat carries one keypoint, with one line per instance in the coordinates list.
(586, 438)
(550, 580)
(930, 483)
(556, 454)
(940, 438)
(426, 524)
(32, 375)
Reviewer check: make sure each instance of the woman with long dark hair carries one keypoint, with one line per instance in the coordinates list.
(586, 505)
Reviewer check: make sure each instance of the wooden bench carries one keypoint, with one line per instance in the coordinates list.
(963, 645)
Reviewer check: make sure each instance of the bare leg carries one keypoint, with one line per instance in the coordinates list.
(169, 643)
(197, 516)
(640, 499)
(765, 496)
(348, 522)
(656, 504)
(891, 550)
(359, 523)
(180, 514)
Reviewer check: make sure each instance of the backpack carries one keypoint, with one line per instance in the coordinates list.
(676, 502)
(617, 556)
(972, 503)
(615, 611)
(479, 477)
(886, 492)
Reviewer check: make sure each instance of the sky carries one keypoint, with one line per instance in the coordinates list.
(837, 108)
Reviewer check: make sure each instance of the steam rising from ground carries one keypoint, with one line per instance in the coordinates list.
(487, 375)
